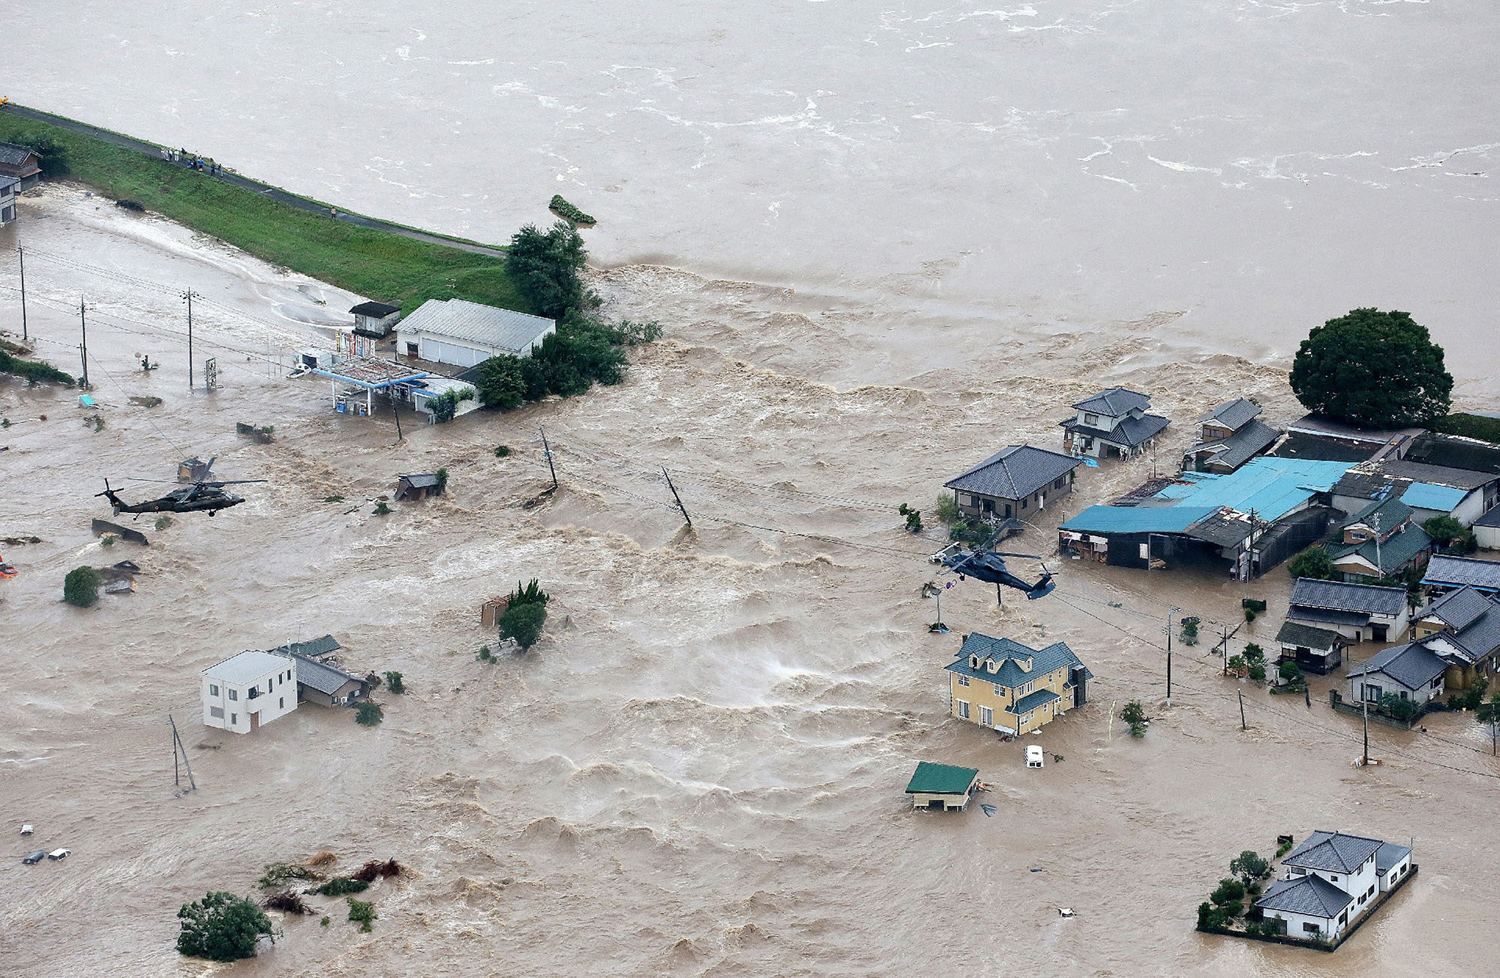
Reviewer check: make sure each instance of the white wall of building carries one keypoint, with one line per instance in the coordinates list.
(1394, 874)
(230, 706)
(1326, 929)
(1488, 537)
(460, 353)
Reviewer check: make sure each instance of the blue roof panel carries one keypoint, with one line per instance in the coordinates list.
(1424, 495)
(1137, 519)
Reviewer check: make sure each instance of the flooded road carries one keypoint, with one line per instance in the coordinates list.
(699, 770)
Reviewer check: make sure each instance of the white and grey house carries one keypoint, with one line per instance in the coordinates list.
(1113, 422)
(1410, 672)
(1358, 612)
(1331, 880)
(247, 691)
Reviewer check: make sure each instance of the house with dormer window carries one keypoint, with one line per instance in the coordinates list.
(1112, 423)
(1331, 880)
(1380, 541)
(1011, 688)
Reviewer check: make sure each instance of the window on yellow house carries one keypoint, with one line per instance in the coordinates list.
(963, 709)
(963, 680)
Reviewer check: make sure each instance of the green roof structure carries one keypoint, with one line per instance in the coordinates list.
(942, 779)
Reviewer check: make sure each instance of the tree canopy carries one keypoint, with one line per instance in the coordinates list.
(221, 927)
(1373, 368)
(545, 267)
(1313, 562)
(523, 622)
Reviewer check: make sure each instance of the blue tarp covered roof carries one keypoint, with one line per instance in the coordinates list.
(1425, 495)
(1272, 487)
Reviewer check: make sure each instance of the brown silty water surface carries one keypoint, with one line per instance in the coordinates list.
(699, 770)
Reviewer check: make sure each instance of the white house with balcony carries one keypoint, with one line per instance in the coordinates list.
(1332, 879)
(247, 691)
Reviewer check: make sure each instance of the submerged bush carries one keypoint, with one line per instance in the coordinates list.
(368, 714)
(221, 927)
(81, 587)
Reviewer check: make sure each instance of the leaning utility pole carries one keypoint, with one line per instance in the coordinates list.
(21, 255)
(188, 295)
(179, 749)
(1242, 709)
(547, 451)
(84, 349)
(684, 508)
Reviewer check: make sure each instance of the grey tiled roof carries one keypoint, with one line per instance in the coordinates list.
(1114, 402)
(245, 667)
(1391, 513)
(1413, 665)
(315, 647)
(1338, 596)
(1129, 432)
(1492, 518)
(1328, 616)
(1480, 638)
(13, 155)
(459, 319)
(7, 182)
(1332, 852)
(321, 676)
(425, 480)
(1310, 895)
(1053, 657)
(1293, 633)
(1392, 555)
(1458, 571)
(1459, 609)
(1240, 447)
(1015, 472)
(1232, 414)
(1032, 701)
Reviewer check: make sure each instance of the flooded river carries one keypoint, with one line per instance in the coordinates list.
(884, 244)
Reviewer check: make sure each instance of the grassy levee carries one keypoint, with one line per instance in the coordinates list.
(378, 264)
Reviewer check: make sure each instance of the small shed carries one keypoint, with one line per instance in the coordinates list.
(1318, 650)
(418, 486)
(942, 786)
(194, 469)
(22, 164)
(375, 319)
(491, 610)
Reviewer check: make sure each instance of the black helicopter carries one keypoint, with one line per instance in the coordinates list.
(988, 565)
(196, 498)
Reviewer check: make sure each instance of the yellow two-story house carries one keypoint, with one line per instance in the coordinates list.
(1006, 686)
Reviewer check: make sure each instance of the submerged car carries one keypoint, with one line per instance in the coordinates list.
(1034, 756)
(59, 853)
(34, 857)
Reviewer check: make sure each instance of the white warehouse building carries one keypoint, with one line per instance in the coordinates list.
(247, 691)
(464, 333)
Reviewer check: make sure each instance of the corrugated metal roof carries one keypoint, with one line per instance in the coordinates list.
(1441, 498)
(941, 779)
(1271, 486)
(489, 326)
(1137, 519)
(245, 667)
(1437, 475)
(1015, 472)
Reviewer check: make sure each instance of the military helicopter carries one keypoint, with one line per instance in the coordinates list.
(198, 497)
(988, 565)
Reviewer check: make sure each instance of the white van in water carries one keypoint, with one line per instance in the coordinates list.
(1034, 757)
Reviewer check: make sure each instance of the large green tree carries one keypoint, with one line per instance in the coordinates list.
(1373, 368)
(545, 266)
(221, 927)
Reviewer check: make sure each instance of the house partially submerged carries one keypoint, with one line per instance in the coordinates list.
(375, 319)
(1113, 422)
(1244, 522)
(1005, 686)
(316, 648)
(1430, 490)
(247, 691)
(355, 380)
(1378, 542)
(1463, 629)
(9, 186)
(326, 684)
(1446, 573)
(21, 164)
(941, 786)
(1331, 880)
(1410, 672)
(1230, 435)
(1016, 482)
(1312, 649)
(1357, 612)
(463, 333)
(420, 486)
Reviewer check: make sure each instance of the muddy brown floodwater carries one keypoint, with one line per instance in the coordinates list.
(699, 770)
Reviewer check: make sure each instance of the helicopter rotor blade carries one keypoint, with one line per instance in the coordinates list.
(233, 482)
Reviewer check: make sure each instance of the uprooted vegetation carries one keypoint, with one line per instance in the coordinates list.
(287, 901)
(278, 875)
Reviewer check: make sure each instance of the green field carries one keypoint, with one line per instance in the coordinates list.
(377, 264)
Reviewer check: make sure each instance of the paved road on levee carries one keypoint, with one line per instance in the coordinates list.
(255, 186)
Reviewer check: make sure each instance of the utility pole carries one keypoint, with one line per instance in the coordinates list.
(547, 451)
(1379, 564)
(84, 349)
(188, 295)
(1226, 651)
(21, 254)
(679, 501)
(1170, 613)
(1364, 700)
(179, 749)
(1242, 709)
